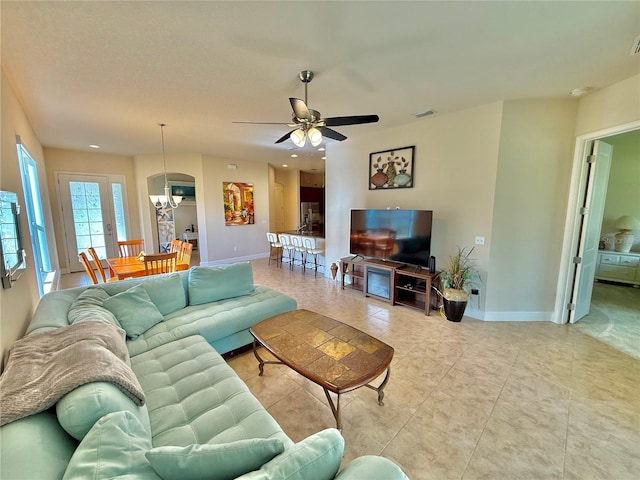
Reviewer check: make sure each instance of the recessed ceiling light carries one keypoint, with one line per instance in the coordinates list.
(94, 146)
(324, 158)
(285, 165)
(294, 155)
(321, 149)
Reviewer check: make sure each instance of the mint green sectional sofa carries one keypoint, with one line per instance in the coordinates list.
(199, 420)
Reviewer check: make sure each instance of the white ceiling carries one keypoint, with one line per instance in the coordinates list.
(107, 72)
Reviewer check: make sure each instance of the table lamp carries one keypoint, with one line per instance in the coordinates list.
(625, 237)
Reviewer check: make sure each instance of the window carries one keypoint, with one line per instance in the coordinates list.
(35, 216)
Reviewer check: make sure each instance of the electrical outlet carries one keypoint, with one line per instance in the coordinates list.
(479, 240)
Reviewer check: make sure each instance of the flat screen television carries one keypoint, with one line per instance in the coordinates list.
(400, 235)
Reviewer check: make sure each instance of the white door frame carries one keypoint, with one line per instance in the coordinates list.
(566, 277)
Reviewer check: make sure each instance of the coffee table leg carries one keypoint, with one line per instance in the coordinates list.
(335, 409)
(260, 361)
(380, 389)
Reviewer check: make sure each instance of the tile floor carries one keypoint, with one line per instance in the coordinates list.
(465, 400)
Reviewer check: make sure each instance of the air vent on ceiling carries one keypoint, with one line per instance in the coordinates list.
(426, 113)
(635, 48)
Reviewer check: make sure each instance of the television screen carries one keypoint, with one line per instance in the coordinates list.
(400, 235)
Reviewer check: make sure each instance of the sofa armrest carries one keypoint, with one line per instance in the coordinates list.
(371, 467)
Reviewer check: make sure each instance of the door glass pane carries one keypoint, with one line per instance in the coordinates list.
(87, 215)
(118, 208)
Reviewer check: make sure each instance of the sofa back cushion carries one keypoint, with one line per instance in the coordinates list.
(166, 292)
(210, 284)
(80, 409)
(134, 310)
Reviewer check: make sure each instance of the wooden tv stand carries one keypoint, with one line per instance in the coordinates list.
(406, 285)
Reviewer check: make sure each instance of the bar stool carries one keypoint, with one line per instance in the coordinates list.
(312, 249)
(288, 248)
(298, 247)
(274, 246)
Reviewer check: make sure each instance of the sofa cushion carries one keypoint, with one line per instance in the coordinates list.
(195, 397)
(213, 462)
(87, 307)
(317, 457)
(34, 447)
(210, 284)
(114, 447)
(134, 310)
(371, 466)
(166, 292)
(81, 408)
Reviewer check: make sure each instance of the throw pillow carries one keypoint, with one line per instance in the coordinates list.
(214, 462)
(134, 310)
(317, 457)
(166, 292)
(114, 446)
(210, 284)
(81, 408)
(87, 307)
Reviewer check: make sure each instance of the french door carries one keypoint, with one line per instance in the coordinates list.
(93, 214)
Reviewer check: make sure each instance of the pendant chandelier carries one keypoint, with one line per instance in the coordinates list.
(167, 200)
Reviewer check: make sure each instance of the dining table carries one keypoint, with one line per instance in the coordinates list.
(128, 267)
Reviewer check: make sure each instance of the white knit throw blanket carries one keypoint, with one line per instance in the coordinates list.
(42, 368)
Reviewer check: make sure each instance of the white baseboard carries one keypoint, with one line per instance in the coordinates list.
(508, 316)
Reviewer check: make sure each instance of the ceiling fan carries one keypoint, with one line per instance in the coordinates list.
(308, 123)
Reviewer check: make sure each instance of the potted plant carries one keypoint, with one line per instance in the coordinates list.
(457, 279)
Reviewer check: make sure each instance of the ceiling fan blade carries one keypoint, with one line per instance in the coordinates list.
(263, 123)
(350, 120)
(330, 133)
(300, 109)
(284, 137)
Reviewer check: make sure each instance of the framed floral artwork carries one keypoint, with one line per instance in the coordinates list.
(391, 168)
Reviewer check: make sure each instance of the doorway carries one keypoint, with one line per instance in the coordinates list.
(94, 214)
(611, 301)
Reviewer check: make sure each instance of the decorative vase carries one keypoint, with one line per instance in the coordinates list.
(402, 179)
(379, 179)
(334, 270)
(454, 303)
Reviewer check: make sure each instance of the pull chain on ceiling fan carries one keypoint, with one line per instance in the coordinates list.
(309, 123)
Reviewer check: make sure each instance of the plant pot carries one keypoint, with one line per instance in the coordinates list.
(454, 304)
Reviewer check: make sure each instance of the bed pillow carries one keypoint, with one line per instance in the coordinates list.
(317, 457)
(87, 307)
(214, 462)
(166, 292)
(114, 447)
(210, 284)
(134, 310)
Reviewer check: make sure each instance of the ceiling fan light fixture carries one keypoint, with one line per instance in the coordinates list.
(298, 138)
(315, 137)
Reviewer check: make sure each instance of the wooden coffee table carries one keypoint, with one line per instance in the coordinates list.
(334, 355)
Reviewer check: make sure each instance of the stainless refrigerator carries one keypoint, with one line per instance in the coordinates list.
(310, 216)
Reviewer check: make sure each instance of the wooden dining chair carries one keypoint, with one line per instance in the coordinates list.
(184, 255)
(160, 263)
(84, 260)
(99, 267)
(131, 248)
(175, 246)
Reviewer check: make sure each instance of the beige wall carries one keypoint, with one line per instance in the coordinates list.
(609, 107)
(18, 302)
(74, 161)
(456, 159)
(534, 169)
